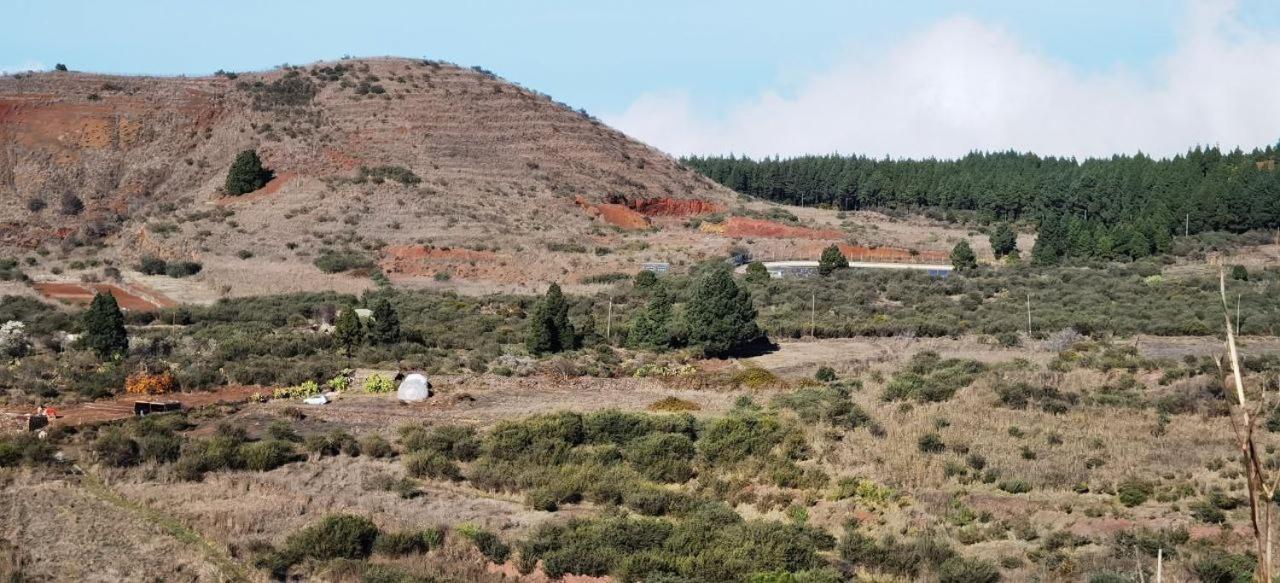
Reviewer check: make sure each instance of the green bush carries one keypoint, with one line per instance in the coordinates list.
(487, 543)
(431, 465)
(24, 449)
(338, 536)
(246, 174)
(1221, 567)
(115, 448)
(662, 457)
(1134, 492)
(931, 443)
(376, 446)
(267, 455)
(961, 570)
(825, 374)
(930, 378)
(335, 261)
(405, 543)
(1015, 486)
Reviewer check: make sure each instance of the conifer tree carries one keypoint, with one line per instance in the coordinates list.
(246, 174)
(962, 257)
(104, 329)
(348, 332)
(385, 328)
(1003, 241)
(720, 316)
(549, 327)
(831, 260)
(652, 326)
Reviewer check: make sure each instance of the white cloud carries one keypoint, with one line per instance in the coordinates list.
(964, 85)
(22, 67)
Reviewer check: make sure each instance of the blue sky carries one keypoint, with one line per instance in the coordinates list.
(603, 56)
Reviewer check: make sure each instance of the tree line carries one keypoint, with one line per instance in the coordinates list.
(1125, 206)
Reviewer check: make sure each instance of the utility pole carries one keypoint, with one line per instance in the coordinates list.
(608, 322)
(1028, 315)
(813, 306)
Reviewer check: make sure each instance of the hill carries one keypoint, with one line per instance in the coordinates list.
(431, 170)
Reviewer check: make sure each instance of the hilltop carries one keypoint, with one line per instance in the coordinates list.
(425, 167)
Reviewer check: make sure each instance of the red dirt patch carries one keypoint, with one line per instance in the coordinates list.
(740, 227)
(130, 296)
(413, 260)
(121, 407)
(668, 207)
(270, 188)
(618, 215)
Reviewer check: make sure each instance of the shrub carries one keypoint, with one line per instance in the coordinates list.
(662, 457)
(486, 542)
(114, 448)
(431, 465)
(1222, 567)
(379, 384)
(1015, 486)
(404, 543)
(339, 536)
(930, 378)
(333, 443)
(24, 448)
(246, 174)
(1134, 492)
(375, 446)
(144, 383)
(931, 443)
(151, 265)
(673, 405)
(267, 455)
(454, 442)
(334, 261)
(962, 570)
(825, 374)
(179, 269)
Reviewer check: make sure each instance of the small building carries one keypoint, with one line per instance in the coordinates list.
(656, 268)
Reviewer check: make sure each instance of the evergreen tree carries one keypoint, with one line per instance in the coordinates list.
(385, 328)
(549, 327)
(757, 273)
(651, 328)
(720, 316)
(962, 257)
(104, 329)
(1003, 240)
(246, 174)
(645, 279)
(348, 332)
(831, 260)
(1051, 243)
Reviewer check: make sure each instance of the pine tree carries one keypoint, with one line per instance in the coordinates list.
(348, 332)
(831, 260)
(246, 174)
(104, 327)
(385, 328)
(549, 327)
(962, 257)
(1051, 241)
(652, 326)
(720, 317)
(1003, 240)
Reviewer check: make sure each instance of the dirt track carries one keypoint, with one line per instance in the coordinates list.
(129, 296)
(121, 407)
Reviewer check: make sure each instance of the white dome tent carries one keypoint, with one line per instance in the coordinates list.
(414, 388)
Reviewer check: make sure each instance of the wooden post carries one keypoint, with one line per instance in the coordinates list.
(608, 323)
(1186, 225)
(1028, 315)
(1160, 565)
(813, 307)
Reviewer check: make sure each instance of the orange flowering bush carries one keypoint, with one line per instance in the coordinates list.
(144, 383)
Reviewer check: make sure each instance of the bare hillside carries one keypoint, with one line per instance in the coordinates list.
(433, 174)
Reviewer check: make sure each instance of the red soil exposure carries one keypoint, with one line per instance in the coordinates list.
(121, 407)
(669, 207)
(410, 260)
(747, 227)
(618, 215)
(270, 188)
(130, 297)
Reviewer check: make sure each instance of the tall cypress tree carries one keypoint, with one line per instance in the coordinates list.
(720, 317)
(348, 332)
(962, 257)
(104, 327)
(1003, 240)
(385, 328)
(652, 326)
(831, 260)
(549, 328)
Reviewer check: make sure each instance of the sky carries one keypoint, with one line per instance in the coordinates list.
(902, 79)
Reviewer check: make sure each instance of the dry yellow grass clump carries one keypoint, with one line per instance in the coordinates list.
(673, 405)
